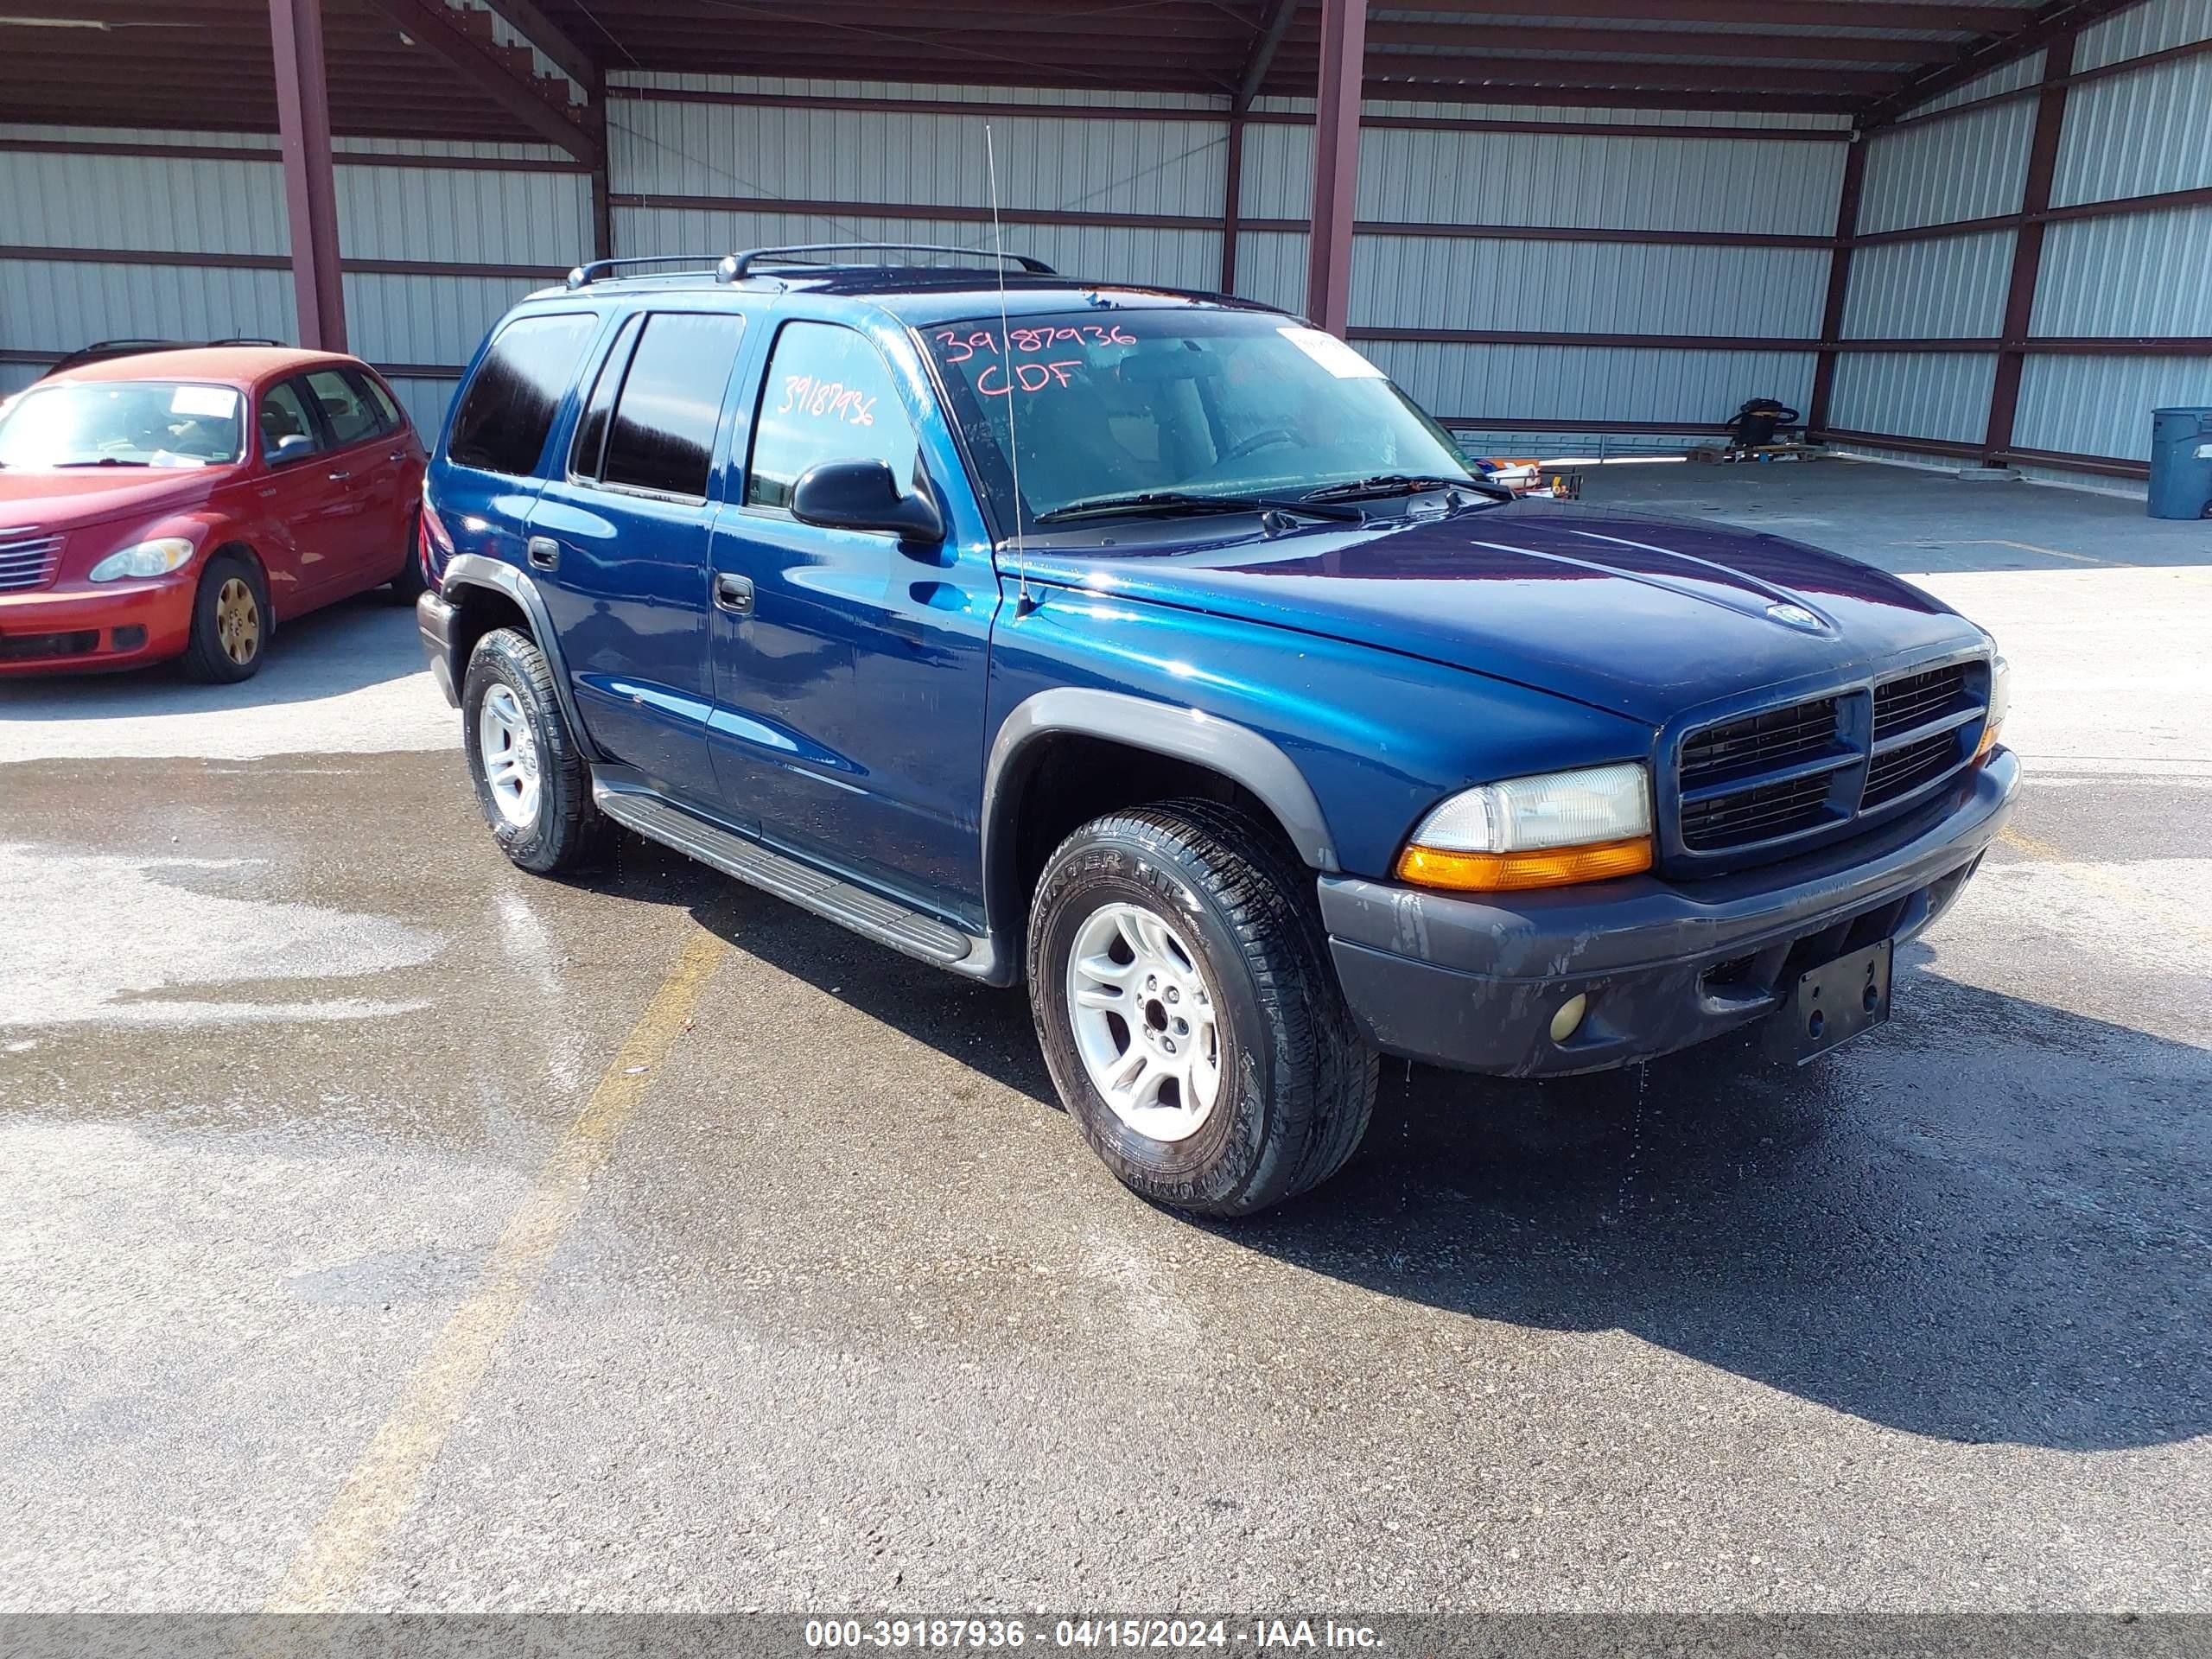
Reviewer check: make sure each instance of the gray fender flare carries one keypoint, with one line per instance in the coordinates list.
(466, 570)
(1237, 753)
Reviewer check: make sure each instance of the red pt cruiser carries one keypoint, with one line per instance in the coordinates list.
(182, 504)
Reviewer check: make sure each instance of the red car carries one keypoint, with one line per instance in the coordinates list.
(182, 504)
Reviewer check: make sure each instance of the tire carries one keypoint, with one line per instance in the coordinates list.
(535, 788)
(230, 622)
(407, 587)
(1294, 1084)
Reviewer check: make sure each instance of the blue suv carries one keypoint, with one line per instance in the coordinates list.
(1153, 648)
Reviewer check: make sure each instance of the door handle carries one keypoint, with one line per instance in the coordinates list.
(544, 552)
(734, 594)
(396, 455)
(340, 478)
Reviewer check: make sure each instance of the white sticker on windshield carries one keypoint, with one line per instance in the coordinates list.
(218, 403)
(1331, 354)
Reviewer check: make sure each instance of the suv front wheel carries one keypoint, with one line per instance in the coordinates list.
(531, 781)
(1187, 1010)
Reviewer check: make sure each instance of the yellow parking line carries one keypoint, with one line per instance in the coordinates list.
(2025, 547)
(2130, 894)
(383, 1484)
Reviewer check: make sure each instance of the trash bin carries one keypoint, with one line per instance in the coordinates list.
(2181, 463)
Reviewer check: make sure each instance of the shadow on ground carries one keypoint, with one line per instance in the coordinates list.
(1985, 1222)
(359, 642)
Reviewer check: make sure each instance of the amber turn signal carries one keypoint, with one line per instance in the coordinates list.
(1553, 866)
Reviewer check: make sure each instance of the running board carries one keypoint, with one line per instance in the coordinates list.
(866, 914)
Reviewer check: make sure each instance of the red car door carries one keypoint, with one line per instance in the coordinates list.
(299, 512)
(372, 458)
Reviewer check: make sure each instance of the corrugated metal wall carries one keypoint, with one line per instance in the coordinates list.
(468, 239)
(2132, 131)
(2148, 129)
(691, 174)
(434, 253)
(1517, 393)
(693, 167)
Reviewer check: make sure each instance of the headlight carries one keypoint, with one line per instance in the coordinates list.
(1547, 832)
(154, 558)
(2000, 703)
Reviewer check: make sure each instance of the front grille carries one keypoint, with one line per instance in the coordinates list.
(28, 561)
(1755, 784)
(31, 648)
(1899, 772)
(1751, 816)
(1761, 742)
(1900, 705)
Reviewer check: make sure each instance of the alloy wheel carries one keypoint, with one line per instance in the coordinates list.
(1145, 1021)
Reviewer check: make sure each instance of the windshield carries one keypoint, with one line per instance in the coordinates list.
(122, 424)
(1106, 405)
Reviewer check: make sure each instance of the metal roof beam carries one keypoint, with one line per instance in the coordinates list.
(1679, 43)
(2043, 27)
(1630, 77)
(484, 67)
(526, 20)
(1254, 74)
(1759, 14)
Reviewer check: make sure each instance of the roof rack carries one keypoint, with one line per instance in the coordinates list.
(584, 275)
(738, 266)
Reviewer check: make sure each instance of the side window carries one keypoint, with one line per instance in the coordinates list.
(590, 445)
(662, 434)
(370, 391)
(828, 395)
(349, 416)
(288, 430)
(507, 408)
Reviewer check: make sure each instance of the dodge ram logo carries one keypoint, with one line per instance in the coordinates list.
(1796, 616)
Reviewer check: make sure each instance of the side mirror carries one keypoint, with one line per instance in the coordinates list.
(864, 495)
(294, 448)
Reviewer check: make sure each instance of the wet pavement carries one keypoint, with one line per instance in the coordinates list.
(373, 1206)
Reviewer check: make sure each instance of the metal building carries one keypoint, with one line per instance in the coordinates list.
(1960, 232)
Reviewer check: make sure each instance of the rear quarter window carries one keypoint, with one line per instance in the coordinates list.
(507, 410)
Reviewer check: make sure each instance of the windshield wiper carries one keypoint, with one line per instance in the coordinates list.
(1406, 484)
(1170, 503)
(104, 460)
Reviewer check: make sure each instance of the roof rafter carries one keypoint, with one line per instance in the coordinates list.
(487, 67)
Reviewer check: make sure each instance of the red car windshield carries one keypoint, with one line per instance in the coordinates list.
(122, 423)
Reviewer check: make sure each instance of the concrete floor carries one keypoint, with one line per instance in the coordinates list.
(387, 1228)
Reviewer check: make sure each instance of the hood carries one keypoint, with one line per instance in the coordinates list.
(87, 495)
(1639, 616)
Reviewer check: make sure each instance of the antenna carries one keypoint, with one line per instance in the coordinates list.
(1022, 601)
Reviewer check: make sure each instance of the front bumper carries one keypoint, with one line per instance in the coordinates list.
(1473, 984)
(125, 624)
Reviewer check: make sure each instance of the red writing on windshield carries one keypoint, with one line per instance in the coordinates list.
(830, 399)
(992, 381)
(959, 347)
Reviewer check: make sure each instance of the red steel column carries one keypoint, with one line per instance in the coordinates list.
(1336, 161)
(1232, 198)
(310, 183)
(1847, 231)
(2027, 249)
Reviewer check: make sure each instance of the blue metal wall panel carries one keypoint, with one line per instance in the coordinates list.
(2101, 405)
(1949, 287)
(1915, 394)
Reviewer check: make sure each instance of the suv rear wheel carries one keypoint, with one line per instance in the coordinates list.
(530, 781)
(1184, 998)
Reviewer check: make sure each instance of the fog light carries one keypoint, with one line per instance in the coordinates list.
(130, 639)
(1569, 1017)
